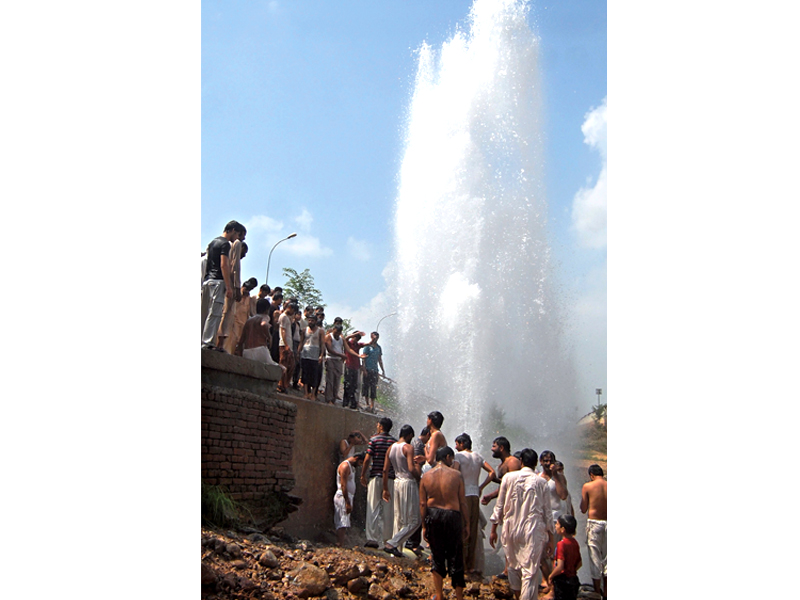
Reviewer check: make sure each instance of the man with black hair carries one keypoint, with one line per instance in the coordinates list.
(237, 253)
(593, 503)
(406, 490)
(352, 366)
(256, 335)
(217, 283)
(380, 515)
(334, 363)
(418, 444)
(286, 345)
(557, 495)
(311, 357)
(345, 490)
(523, 512)
(372, 354)
(437, 439)
(501, 448)
(241, 312)
(442, 508)
(470, 463)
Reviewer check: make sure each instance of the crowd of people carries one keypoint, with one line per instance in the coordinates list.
(271, 329)
(418, 488)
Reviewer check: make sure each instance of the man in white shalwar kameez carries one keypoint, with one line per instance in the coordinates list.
(523, 510)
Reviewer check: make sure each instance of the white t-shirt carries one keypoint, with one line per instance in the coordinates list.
(471, 464)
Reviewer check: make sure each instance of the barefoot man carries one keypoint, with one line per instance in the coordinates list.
(501, 448)
(345, 490)
(442, 504)
(593, 500)
(523, 513)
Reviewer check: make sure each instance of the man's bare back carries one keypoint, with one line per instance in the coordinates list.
(442, 487)
(593, 499)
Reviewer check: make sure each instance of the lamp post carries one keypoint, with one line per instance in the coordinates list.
(599, 392)
(288, 237)
(382, 318)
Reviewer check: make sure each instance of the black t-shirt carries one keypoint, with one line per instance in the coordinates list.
(218, 247)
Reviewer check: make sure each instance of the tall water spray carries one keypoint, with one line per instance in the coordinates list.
(479, 323)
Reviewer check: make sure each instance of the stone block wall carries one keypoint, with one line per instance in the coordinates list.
(247, 442)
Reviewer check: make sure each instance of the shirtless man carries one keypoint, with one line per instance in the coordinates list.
(437, 439)
(501, 448)
(347, 447)
(256, 336)
(343, 499)
(593, 504)
(441, 505)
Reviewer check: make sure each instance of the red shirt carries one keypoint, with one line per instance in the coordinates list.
(353, 362)
(569, 551)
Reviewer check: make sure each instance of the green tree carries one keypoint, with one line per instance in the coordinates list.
(301, 286)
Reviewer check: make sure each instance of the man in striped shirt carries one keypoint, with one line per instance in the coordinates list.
(380, 515)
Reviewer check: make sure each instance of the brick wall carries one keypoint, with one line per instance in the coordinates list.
(247, 443)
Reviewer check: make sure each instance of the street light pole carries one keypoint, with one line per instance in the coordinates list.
(290, 236)
(382, 318)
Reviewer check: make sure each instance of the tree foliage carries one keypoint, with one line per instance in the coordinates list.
(301, 286)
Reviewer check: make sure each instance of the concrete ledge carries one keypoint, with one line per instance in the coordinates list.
(236, 372)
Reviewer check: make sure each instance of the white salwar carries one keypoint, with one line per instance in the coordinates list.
(406, 511)
(523, 510)
(379, 513)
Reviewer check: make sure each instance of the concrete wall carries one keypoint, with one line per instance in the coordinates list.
(249, 434)
(318, 431)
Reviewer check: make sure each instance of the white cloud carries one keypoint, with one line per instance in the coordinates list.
(269, 230)
(364, 318)
(590, 204)
(304, 220)
(359, 249)
(306, 245)
(263, 223)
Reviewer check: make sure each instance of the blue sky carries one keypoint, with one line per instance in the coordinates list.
(303, 111)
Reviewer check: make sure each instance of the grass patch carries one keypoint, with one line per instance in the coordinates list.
(219, 509)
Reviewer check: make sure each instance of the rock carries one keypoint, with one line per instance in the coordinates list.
(275, 550)
(473, 589)
(247, 584)
(359, 585)
(333, 594)
(376, 592)
(310, 580)
(258, 538)
(218, 545)
(239, 564)
(268, 559)
(234, 550)
(364, 570)
(231, 581)
(345, 573)
(399, 587)
(381, 568)
(208, 576)
(590, 595)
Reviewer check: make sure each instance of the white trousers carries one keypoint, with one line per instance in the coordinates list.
(380, 520)
(596, 541)
(406, 511)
